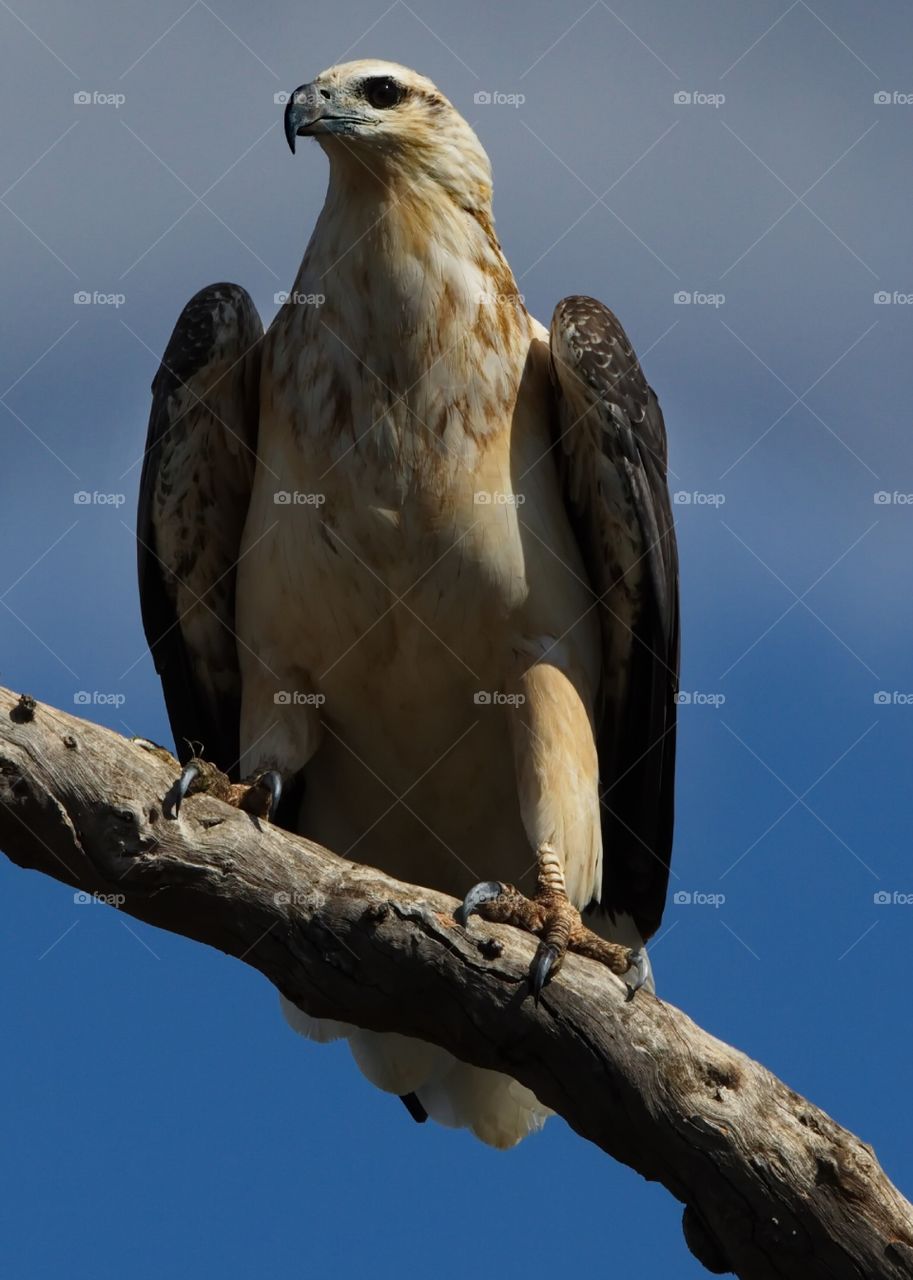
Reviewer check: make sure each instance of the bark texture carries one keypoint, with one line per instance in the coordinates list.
(772, 1186)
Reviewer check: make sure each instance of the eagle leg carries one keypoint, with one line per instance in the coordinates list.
(550, 915)
(258, 796)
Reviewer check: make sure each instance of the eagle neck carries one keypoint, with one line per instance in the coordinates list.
(413, 245)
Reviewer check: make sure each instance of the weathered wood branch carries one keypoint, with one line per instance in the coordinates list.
(772, 1186)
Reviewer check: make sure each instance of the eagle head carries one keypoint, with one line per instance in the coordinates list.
(381, 120)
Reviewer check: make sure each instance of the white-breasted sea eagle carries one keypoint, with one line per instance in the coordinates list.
(415, 552)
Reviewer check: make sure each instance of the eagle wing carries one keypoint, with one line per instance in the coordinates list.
(612, 452)
(194, 494)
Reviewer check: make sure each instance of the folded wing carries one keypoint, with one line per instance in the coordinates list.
(194, 494)
(612, 453)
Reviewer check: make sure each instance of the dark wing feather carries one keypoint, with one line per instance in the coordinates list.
(613, 462)
(194, 493)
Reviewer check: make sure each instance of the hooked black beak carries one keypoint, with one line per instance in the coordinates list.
(304, 108)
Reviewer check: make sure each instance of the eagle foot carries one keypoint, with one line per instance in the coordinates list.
(258, 795)
(559, 927)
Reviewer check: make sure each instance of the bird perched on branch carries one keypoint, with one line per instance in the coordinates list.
(412, 554)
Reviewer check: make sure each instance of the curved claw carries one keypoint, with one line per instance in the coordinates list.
(273, 783)
(640, 966)
(262, 795)
(478, 895)
(541, 969)
(171, 805)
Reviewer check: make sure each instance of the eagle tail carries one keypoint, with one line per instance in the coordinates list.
(498, 1110)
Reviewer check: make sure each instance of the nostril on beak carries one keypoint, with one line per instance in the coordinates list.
(325, 93)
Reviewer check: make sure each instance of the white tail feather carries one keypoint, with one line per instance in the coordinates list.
(497, 1109)
(320, 1030)
(395, 1063)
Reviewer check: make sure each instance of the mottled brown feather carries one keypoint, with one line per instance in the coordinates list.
(195, 486)
(612, 445)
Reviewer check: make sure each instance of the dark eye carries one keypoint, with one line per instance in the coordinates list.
(382, 91)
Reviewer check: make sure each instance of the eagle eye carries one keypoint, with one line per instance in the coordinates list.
(383, 91)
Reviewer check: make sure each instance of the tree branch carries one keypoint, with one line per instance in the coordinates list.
(772, 1186)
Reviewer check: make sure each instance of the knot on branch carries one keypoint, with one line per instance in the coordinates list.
(122, 843)
(24, 710)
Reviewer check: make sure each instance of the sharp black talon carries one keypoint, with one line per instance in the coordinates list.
(541, 968)
(640, 966)
(273, 783)
(171, 805)
(478, 895)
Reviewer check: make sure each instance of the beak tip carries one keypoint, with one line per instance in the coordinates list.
(304, 108)
(291, 129)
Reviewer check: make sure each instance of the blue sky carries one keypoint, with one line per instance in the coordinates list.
(157, 1108)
